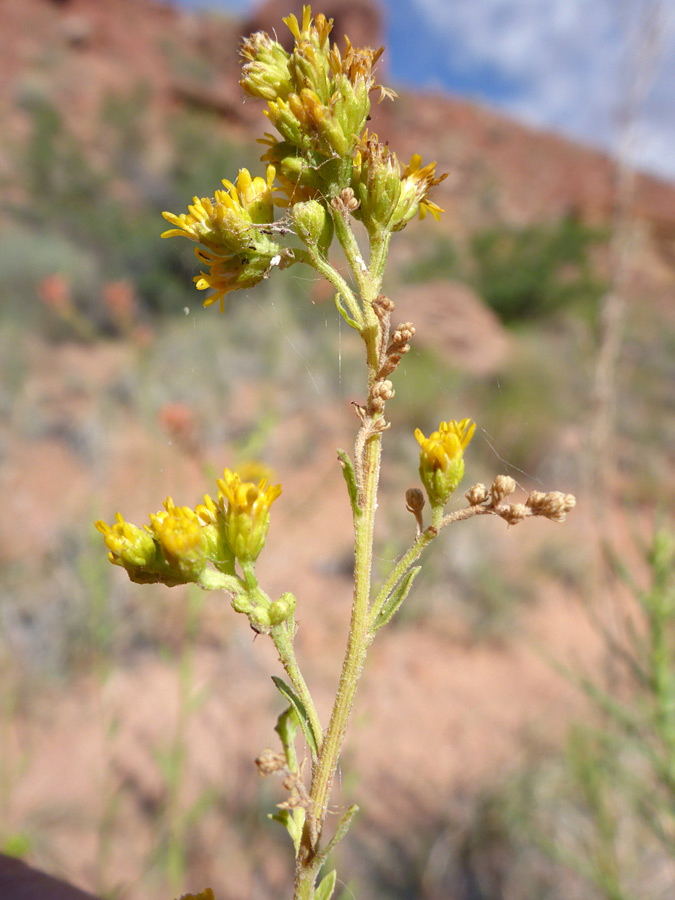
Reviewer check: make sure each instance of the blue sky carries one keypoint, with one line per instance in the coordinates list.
(572, 65)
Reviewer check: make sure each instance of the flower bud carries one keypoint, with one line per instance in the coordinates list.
(266, 73)
(442, 458)
(313, 224)
(376, 182)
(247, 517)
(282, 609)
(129, 545)
(259, 617)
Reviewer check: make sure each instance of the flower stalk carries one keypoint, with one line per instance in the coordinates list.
(325, 171)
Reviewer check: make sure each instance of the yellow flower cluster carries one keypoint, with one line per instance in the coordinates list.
(318, 100)
(442, 458)
(235, 244)
(179, 543)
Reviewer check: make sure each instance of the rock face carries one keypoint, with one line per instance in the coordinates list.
(362, 20)
(452, 319)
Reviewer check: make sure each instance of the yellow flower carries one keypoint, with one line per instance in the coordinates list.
(357, 65)
(442, 458)
(224, 222)
(235, 272)
(376, 181)
(138, 552)
(236, 245)
(416, 182)
(179, 533)
(211, 517)
(129, 546)
(247, 517)
(316, 33)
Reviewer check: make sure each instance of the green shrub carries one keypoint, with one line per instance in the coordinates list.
(525, 273)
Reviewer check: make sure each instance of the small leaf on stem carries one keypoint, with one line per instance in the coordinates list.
(326, 887)
(301, 712)
(396, 598)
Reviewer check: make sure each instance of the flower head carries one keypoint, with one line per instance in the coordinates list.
(376, 181)
(265, 73)
(235, 245)
(442, 458)
(138, 552)
(247, 516)
(416, 182)
(211, 517)
(223, 223)
(179, 534)
(129, 546)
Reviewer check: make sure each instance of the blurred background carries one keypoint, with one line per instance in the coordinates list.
(515, 731)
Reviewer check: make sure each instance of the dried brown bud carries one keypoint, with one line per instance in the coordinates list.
(345, 202)
(477, 494)
(536, 501)
(414, 503)
(553, 505)
(502, 486)
(414, 500)
(380, 393)
(515, 513)
(269, 762)
(383, 389)
(402, 335)
(384, 303)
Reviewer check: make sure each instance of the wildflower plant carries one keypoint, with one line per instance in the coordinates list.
(324, 172)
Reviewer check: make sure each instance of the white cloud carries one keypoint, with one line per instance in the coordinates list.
(568, 64)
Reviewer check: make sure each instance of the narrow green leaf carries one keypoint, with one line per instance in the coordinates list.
(287, 727)
(340, 831)
(301, 712)
(287, 819)
(326, 887)
(396, 598)
(350, 478)
(343, 312)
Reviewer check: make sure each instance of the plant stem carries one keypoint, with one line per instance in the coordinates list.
(367, 457)
(359, 638)
(439, 522)
(282, 636)
(357, 645)
(313, 258)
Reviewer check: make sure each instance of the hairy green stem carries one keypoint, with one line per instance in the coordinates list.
(415, 551)
(358, 639)
(282, 636)
(313, 258)
(367, 456)
(352, 251)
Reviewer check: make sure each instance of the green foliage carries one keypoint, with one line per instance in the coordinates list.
(606, 811)
(522, 273)
(443, 261)
(526, 273)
